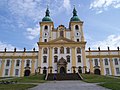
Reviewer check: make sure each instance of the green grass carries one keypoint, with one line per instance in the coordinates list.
(30, 79)
(91, 78)
(105, 81)
(16, 86)
(113, 86)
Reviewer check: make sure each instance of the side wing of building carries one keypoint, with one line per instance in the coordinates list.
(18, 63)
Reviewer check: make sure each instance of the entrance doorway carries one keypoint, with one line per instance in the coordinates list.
(62, 70)
(27, 73)
(97, 71)
(44, 71)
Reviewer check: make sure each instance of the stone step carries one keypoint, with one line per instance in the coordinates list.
(67, 76)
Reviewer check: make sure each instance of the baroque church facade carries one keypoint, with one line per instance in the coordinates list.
(61, 50)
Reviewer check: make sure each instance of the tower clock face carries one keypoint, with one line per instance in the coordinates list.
(77, 34)
(45, 34)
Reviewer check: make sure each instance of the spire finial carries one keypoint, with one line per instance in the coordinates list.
(47, 11)
(74, 11)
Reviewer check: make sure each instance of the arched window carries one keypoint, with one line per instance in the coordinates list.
(55, 59)
(44, 59)
(62, 50)
(67, 50)
(68, 58)
(61, 34)
(79, 58)
(45, 51)
(76, 27)
(55, 50)
(27, 63)
(78, 50)
(46, 27)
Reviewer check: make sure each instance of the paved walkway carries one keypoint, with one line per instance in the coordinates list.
(68, 85)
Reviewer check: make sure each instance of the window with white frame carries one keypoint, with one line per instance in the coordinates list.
(17, 63)
(107, 71)
(44, 59)
(27, 63)
(78, 50)
(68, 58)
(79, 58)
(117, 71)
(67, 50)
(116, 61)
(6, 71)
(106, 61)
(96, 62)
(55, 59)
(55, 50)
(8, 63)
(16, 72)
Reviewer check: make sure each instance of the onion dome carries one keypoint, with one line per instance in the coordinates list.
(75, 17)
(47, 16)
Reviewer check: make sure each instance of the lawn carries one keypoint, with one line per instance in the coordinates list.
(105, 81)
(23, 83)
(30, 79)
(16, 86)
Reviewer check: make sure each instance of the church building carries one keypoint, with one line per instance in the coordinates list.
(60, 50)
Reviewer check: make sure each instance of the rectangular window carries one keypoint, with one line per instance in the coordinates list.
(27, 63)
(106, 61)
(107, 71)
(6, 71)
(68, 59)
(96, 62)
(79, 59)
(44, 59)
(18, 63)
(117, 71)
(55, 59)
(8, 63)
(116, 61)
(16, 71)
(45, 40)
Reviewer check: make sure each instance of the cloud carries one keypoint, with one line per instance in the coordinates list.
(101, 5)
(66, 5)
(35, 9)
(4, 45)
(32, 33)
(113, 41)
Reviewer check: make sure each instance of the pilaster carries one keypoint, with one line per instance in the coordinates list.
(50, 59)
(73, 59)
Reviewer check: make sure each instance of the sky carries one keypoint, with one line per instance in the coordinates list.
(19, 21)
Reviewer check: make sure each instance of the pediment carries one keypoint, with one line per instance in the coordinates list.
(61, 40)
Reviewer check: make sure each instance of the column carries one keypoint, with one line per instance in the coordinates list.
(12, 67)
(41, 33)
(2, 68)
(91, 65)
(33, 64)
(112, 67)
(73, 59)
(84, 59)
(102, 66)
(50, 59)
(22, 65)
(111, 64)
(39, 59)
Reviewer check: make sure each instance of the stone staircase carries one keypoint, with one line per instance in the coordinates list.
(67, 76)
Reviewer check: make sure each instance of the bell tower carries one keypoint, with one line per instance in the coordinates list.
(77, 35)
(76, 26)
(46, 27)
